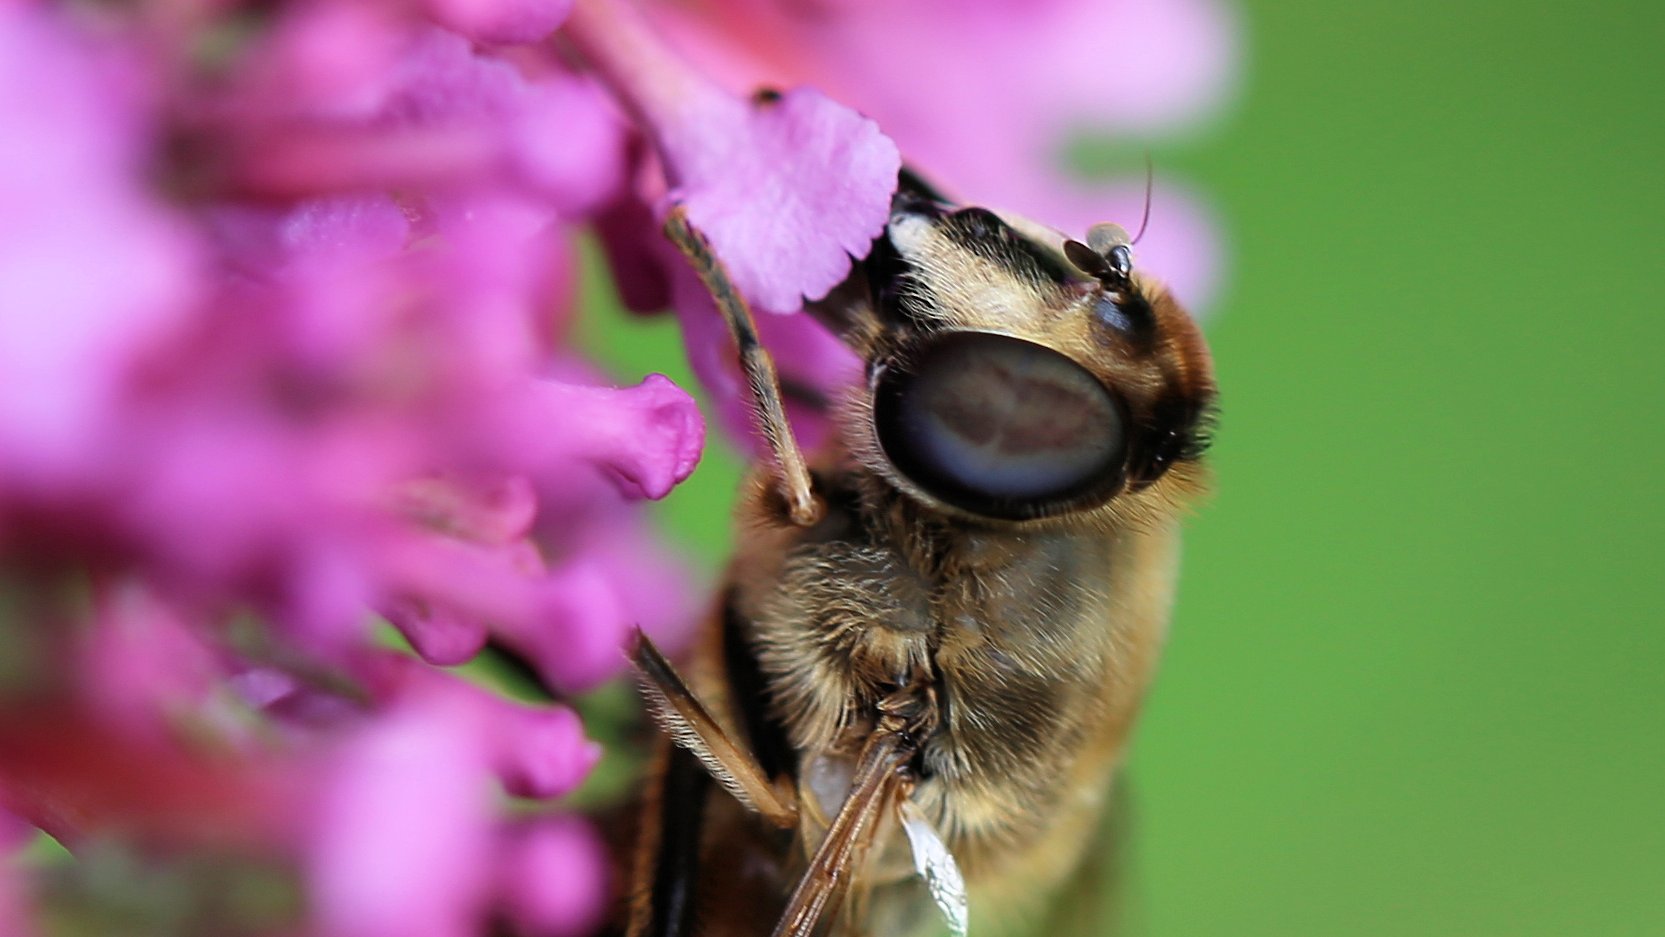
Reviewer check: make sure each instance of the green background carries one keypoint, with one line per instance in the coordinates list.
(1415, 683)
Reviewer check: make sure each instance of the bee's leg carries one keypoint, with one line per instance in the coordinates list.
(759, 367)
(690, 726)
(880, 778)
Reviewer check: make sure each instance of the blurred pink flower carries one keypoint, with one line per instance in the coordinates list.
(14, 832)
(283, 347)
(554, 877)
(400, 840)
(500, 21)
(15, 917)
(534, 751)
(114, 268)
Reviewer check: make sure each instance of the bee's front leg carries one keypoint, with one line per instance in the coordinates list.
(692, 727)
(767, 406)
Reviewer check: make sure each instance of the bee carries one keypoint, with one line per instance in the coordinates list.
(932, 645)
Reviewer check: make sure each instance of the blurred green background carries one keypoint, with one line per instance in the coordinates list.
(1417, 679)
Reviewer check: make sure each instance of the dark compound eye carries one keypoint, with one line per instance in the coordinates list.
(1000, 426)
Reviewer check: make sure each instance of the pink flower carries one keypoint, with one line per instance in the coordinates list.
(500, 21)
(400, 839)
(535, 751)
(554, 878)
(144, 669)
(94, 271)
(15, 917)
(786, 187)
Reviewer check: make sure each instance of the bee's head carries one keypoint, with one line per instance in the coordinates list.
(1015, 374)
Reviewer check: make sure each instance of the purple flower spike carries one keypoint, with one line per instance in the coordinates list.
(786, 187)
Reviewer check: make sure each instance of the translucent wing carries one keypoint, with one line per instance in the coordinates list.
(936, 865)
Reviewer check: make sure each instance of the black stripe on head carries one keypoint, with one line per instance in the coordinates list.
(984, 233)
(891, 278)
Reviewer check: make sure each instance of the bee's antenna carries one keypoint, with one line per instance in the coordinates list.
(1150, 183)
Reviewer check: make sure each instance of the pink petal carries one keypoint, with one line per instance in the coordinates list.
(325, 59)
(576, 639)
(440, 115)
(786, 191)
(952, 80)
(652, 582)
(488, 510)
(991, 127)
(579, 641)
(646, 438)
(345, 229)
(71, 181)
(554, 878)
(401, 837)
(541, 751)
(470, 580)
(508, 22)
(141, 665)
(323, 603)
(440, 635)
(786, 188)
(537, 751)
(568, 143)
(555, 134)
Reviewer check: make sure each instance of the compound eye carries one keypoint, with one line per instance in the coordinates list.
(1000, 426)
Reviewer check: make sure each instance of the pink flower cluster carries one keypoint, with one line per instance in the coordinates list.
(285, 294)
